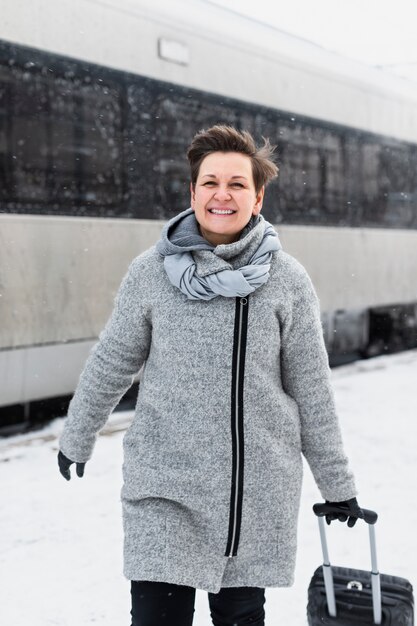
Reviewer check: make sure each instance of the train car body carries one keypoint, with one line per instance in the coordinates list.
(98, 102)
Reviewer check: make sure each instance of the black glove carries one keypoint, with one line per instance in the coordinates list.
(347, 510)
(64, 466)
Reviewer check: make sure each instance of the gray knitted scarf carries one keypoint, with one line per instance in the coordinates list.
(181, 243)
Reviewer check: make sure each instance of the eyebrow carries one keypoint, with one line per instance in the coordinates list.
(232, 177)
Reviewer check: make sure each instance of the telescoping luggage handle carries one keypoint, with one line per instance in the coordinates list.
(370, 517)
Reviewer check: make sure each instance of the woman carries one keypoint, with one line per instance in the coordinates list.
(235, 387)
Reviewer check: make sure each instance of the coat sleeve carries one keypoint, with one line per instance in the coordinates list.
(109, 371)
(306, 378)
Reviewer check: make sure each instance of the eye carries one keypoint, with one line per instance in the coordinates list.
(238, 185)
(209, 183)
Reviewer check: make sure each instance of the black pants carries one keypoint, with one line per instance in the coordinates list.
(164, 604)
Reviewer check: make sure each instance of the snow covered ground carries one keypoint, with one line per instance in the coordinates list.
(61, 543)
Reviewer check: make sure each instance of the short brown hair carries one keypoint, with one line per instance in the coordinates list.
(221, 138)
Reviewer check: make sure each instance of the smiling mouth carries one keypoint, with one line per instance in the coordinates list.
(221, 211)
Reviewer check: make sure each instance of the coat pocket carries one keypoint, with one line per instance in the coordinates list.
(144, 523)
(188, 539)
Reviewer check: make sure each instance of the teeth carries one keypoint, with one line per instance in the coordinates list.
(221, 211)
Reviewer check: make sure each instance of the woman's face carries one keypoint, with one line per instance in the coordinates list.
(224, 197)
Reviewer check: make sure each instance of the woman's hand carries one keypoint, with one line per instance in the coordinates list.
(64, 466)
(347, 510)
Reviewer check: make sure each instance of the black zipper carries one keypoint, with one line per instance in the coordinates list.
(238, 372)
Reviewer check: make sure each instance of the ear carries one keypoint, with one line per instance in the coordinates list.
(259, 201)
(192, 194)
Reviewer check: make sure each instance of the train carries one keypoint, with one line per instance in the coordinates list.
(98, 103)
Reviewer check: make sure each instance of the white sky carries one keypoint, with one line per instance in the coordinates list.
(376, 32)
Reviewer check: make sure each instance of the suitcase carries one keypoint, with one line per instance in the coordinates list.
(352, 597)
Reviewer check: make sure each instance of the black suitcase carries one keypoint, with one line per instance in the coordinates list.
(352, 597)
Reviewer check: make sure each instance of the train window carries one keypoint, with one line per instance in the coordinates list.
(158, 168)
(388, 178)
(398, 179)
(61, 147)
(5, 156)
(311, 183)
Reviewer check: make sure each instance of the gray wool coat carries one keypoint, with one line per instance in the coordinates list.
(233, 392)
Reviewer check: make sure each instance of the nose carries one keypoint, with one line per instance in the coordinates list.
(222, 194)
